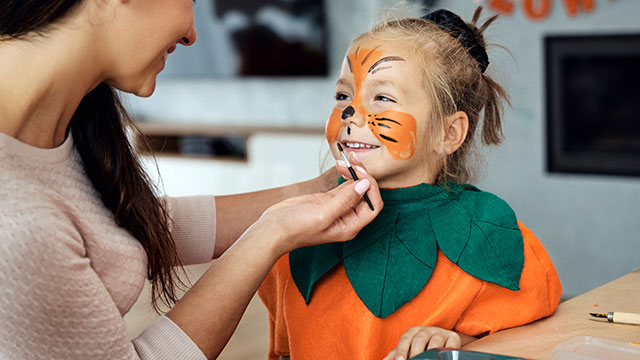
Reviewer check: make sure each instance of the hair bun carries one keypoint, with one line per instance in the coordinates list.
(453, 25)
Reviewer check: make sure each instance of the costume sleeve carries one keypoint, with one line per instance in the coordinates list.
(496, 308)
(53, 305)
(271, 293)
(193, 226)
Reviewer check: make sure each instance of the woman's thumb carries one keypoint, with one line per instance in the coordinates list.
(348, 197)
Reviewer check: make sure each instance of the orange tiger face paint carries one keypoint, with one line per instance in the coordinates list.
(381, 113)
(395, 129)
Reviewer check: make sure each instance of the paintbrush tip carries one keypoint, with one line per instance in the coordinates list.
(598, 315)
(339, 147)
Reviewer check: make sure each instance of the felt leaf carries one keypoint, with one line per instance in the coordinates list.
(494, 254)
(373, 232)
(309, 264)
(415, 231)
(379, 275)
(452, 226)
(478, 231)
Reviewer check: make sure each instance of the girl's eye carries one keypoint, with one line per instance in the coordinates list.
(383, 98)
(342, 97)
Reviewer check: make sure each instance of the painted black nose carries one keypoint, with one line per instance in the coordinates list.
(348, 112)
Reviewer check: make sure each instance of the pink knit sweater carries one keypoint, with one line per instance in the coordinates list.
(68, 273)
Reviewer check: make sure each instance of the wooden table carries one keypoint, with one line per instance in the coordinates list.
(571, 318)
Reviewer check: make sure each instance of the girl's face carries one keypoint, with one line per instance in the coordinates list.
(146, 32)
(381, 113)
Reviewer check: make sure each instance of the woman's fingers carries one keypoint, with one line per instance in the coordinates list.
(419, 343)
(436, 341)
(348, 212)
(404, 345)
(391, 355)
(420, 338)
(356, 164)
(453, 341)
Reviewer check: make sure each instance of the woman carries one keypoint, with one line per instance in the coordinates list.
(80, 225)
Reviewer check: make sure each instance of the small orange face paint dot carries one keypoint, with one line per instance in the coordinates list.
(595, 305)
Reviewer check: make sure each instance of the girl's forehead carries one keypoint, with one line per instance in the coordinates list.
(382, 46)
(372, 58)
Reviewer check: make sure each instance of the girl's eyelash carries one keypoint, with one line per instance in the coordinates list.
(341, 96)
(383, 98)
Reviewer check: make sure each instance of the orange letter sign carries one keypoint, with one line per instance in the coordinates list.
(502, 6)
(574, 5)
(539, 13)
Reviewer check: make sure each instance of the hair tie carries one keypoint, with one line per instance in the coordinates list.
(453, 25)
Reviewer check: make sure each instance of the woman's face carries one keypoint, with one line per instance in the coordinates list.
(146, 32)
(381, 113)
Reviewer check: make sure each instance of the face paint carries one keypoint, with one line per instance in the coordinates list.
(332, 128)
(348, 112)
(395, 130)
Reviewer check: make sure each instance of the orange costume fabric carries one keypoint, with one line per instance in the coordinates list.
(337, 325)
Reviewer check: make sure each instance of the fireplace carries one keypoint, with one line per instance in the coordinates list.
(593, 104)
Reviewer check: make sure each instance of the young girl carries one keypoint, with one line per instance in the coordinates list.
(443, 259)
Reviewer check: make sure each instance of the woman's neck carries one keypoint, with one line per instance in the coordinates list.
(43, 80)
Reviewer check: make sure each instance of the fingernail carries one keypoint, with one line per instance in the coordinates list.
(361, 169)
(400, 357)
(341, 163)
(362, 186)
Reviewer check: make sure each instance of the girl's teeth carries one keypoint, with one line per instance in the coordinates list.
(359, 145)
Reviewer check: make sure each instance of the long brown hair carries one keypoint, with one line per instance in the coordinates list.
(454, 81)
(98, 127)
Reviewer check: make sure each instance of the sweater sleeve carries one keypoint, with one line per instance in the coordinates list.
(495, 308)
(53, 305)
(193, 226)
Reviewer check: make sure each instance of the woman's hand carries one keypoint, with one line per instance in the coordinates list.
(420, 338)
(337, 215)
(356, 164)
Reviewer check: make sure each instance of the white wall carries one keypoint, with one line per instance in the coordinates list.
(588, 224)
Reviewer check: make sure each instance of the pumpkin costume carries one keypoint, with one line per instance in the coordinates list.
(448, 256)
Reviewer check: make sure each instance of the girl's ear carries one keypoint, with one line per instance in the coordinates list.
(457, 126)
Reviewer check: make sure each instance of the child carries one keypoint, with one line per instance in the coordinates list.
(443, 259)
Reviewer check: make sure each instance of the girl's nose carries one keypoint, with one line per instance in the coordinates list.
(349, 116)
(189, 38)
(348, 112)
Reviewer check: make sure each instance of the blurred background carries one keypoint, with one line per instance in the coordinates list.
(244, 109)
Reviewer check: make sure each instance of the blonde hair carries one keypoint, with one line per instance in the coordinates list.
(454, 81)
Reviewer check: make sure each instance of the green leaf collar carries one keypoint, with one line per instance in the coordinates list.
(392, 258)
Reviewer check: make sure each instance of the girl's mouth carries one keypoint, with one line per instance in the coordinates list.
(358, 146)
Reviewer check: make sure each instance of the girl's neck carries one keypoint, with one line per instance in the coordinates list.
(43, 80)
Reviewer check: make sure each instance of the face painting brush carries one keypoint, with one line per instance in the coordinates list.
(353, 174)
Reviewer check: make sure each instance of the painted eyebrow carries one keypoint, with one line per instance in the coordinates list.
(384, 59)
